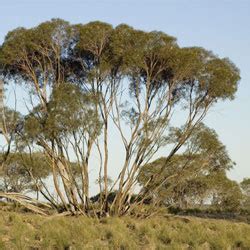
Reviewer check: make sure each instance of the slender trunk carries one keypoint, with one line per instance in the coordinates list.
(118, 198)
(106, 166)
(56, 185)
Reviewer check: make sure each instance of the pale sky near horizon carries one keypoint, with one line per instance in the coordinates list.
(221, 26)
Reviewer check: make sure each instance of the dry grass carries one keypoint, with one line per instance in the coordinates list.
(28, 231)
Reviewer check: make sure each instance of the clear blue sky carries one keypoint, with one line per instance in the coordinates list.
(221, 26)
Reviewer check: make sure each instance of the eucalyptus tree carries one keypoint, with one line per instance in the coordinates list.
(245, 187)
(10, 122)
(193, 177)
(226, 195)
(22, 172)
(85, 81)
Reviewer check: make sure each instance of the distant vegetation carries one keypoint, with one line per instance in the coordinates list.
(91, 84)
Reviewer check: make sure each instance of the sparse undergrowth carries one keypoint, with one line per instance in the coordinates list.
(29, 231)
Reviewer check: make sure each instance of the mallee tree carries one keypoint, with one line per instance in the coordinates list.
(85, 81)
(195, 178)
